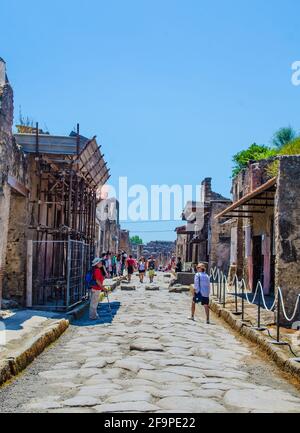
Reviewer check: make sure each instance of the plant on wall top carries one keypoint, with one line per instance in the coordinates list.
(255, 152)
(291, 148)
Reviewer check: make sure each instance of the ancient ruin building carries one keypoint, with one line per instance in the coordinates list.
(125, 241)
(14, 183)
(264, 220)
(108, 226)
(48, 196)
(205, 239)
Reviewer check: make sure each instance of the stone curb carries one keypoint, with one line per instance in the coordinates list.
(77, 312)
(278, 356)
(13, 365)
(19, 360)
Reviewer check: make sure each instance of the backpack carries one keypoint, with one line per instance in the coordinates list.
(89, 279)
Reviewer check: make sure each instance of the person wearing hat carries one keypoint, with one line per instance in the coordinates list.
(201, 291)
(96, 287)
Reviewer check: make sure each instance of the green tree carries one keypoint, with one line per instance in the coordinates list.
(283, 136)
(136, 240)
(255, 152)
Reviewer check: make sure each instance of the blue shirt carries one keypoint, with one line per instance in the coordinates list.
(202, 284)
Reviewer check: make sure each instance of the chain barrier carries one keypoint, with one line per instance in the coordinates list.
(224, 288)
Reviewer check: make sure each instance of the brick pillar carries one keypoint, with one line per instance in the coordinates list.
(255, 176)
(206, 189)
(287, 231)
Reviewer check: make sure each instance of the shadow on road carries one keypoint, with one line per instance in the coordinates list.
(106, 315)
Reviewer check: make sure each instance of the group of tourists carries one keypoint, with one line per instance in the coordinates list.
(114, 264)
(109, 265)
(142, 266)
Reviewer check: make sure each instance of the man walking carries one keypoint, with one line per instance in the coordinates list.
(178, 265)
(131, 265)
(201, 291)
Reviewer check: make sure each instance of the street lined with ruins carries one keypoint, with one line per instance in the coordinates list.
(151, 358)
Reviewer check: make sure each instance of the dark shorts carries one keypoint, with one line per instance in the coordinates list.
(130, 270)
(198, 298)
(141, 272)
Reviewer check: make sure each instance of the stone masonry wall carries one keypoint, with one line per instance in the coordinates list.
(15, 280)
(219, 255)
(287, 230)
(13, 163)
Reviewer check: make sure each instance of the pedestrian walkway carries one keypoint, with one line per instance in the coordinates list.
(19, 327)
(150, 358)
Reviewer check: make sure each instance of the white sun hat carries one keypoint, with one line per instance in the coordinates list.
(96, 261)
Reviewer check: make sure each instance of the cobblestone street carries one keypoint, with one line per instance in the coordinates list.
(150, 359)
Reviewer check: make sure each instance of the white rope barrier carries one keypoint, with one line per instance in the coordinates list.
(283, 306)
(241, 287)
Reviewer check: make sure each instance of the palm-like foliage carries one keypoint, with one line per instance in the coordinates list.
(283, 136)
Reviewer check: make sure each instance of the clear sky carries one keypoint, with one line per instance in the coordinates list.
(171, 88)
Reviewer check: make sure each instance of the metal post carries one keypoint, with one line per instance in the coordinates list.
(69, 271)
(224, 291)
(235, 294)
(278, 320)
(258, 327)
(236, 312)
(29, 274)
(278, 342)
(221, 288)
(258, 310)
(243, 301)
(77, 140)
(83, 291)
(37, 150)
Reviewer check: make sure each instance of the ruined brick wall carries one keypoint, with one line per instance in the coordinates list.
(219, 249)
(12, 162)
(287, 230)
(125, 241)
(15, 279)
(246, 181)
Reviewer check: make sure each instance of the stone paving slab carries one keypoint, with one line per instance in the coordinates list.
(150, 358)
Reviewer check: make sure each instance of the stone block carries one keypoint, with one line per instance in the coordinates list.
(178, 288)
(127, 287)
(185, 278)
(152, 287)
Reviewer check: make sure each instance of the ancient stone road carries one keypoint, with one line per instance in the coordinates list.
(150, 359)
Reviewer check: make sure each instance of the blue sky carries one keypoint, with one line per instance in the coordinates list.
(171, 88)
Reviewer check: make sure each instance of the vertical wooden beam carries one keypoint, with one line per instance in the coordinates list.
(29, 274)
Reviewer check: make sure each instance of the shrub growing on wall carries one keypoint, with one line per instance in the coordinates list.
(292, 148)
(255, 152)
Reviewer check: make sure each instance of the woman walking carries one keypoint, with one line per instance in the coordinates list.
(142, 269)
(96, 287)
